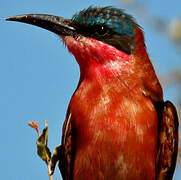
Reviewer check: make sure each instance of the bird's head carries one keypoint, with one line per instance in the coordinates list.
(103, 40)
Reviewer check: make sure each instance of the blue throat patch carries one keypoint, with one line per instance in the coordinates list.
(113, 18)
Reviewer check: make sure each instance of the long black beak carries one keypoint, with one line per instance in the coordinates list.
(54, 24)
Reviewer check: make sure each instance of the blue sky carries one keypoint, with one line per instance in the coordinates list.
(38, 77)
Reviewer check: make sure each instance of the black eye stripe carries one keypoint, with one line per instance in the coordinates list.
(94, 30)
(103, 33)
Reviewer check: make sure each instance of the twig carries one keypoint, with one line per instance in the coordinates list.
(34, 125)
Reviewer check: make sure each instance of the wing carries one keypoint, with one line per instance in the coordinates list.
(167, 142)
(65, 160)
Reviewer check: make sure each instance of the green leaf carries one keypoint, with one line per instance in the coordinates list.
(42, 148)
(56, 157)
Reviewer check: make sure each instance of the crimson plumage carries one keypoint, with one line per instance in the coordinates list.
(116, 124)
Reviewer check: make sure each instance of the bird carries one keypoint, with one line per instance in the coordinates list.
(117, 125)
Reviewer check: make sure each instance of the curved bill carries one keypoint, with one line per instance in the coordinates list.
(56, 24)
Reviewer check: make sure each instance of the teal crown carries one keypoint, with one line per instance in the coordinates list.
(113, 18)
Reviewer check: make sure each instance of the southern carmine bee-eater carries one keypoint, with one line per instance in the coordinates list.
(118, 126)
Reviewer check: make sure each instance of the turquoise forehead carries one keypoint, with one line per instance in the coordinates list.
(113, 18)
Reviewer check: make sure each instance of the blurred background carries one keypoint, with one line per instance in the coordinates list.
(38, 75)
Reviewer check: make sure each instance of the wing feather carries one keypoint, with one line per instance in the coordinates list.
(167, 142)
(66, 162)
